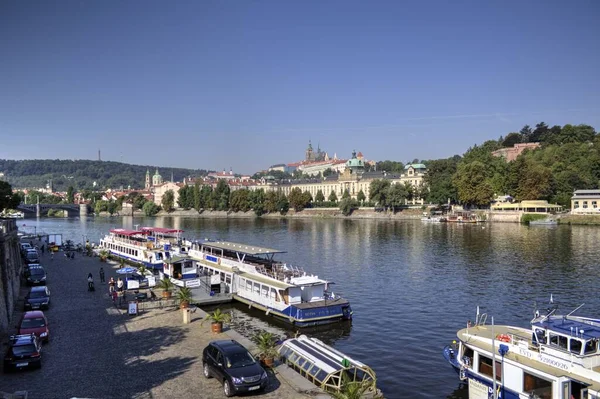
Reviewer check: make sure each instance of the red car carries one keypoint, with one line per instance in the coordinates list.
(35, 322)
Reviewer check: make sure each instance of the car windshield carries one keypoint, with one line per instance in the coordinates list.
(33, 323)
(37, 272)
(23, 350)
(32, 255)
(37, 294)
(239, 359)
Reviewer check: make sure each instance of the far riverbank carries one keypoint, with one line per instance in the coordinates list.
(363, 213)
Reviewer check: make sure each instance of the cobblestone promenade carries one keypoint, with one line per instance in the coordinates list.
(98, 351)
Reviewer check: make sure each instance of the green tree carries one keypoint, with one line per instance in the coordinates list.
(361, 197)
(472, 185)
(298, 200)
(271, 198)
(206, 195)
(240, 200)
(332, 197)
(150, 208)
(534, 184)
(283, 205)
(257, 201)
(101, 206)
(8, 200)
(345, 194)
(220, 196)
(319, 197)
(197, 197)
(378, 190)
(390, 166)
(511, 139)
(112, 207)
(70, 195)
(168, 200)
(185, 198)
(348, 205)
(396, 196)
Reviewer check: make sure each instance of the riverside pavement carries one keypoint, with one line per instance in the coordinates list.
(97, 350)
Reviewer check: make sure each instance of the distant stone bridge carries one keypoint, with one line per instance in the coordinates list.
(42, 209)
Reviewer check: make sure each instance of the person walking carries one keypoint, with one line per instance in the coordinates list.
(43, 248)
(102, 275)
(120, 285)
(111, 285)
(90, 282)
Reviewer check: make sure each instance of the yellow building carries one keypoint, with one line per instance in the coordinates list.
(528, 206)
(585, 202)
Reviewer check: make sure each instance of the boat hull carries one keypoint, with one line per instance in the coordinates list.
(305, 317)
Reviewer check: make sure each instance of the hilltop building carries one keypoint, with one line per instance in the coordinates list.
(511, 153)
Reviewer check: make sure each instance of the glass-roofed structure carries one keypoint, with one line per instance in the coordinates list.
(323, 365)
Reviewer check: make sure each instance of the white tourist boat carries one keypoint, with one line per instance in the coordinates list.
(557, 358)
(252, 276)
(148, 246)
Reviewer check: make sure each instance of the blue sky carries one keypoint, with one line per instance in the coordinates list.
(246, 84)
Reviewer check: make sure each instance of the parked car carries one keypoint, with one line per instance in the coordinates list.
(234, 366)
(37, 298)
(23, 351)
(35, 322)
(29, 266)
(24, 247)
(36, 276)
(31, 256)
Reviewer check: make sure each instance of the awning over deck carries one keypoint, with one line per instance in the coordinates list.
(240, 248)
(160, 230)
(124, 232)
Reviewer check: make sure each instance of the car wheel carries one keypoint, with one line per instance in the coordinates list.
(206, 371)
(227, 388)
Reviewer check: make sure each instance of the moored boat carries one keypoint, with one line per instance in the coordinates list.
(148, 246)
(558, 357)
(252, 275)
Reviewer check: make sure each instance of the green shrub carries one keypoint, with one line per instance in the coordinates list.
(150, 208)
(530, 217)
(347, 205)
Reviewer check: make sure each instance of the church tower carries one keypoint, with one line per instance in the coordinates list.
(147, 184)
(156, 179)
(310, 157)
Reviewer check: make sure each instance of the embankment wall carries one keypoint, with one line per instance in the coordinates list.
(10, 270)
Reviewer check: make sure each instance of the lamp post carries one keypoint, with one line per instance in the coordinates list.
(502, 350)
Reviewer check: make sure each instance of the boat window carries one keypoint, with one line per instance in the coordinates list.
(558, 341)
(257, 288)
(228, 279)
(575, 345)
(467, 356)
(265, 291)
(485, 367)
(591, 346)
(534, 385)
(249, 285)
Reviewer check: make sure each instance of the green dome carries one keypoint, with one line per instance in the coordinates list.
(355, 163)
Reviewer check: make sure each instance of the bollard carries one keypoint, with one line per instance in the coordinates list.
(186, 316)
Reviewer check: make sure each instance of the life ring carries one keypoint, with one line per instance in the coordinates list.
(503, 337)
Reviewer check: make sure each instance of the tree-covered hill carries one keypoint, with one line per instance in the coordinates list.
(568, 160)
(81, 174)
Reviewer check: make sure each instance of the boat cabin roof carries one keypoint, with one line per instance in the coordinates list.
(160, 230)
(125, 232)
(240, 248)
(569, 326)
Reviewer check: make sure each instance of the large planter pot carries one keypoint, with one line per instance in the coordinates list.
(103, 259)
(216, 327)
(184, 305)
(167, 294)
(267, 361)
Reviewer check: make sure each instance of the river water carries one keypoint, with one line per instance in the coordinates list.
(411, 285)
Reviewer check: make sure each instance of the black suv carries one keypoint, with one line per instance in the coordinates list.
(234, 366)
(23, 351)
(36, 276)
(37, 298)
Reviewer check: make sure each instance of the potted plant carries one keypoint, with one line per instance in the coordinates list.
(103, 255)
(167, 286)
(217, 318)
(267, 345)
(184, 297)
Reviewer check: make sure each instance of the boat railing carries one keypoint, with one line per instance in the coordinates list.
(481, 319)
